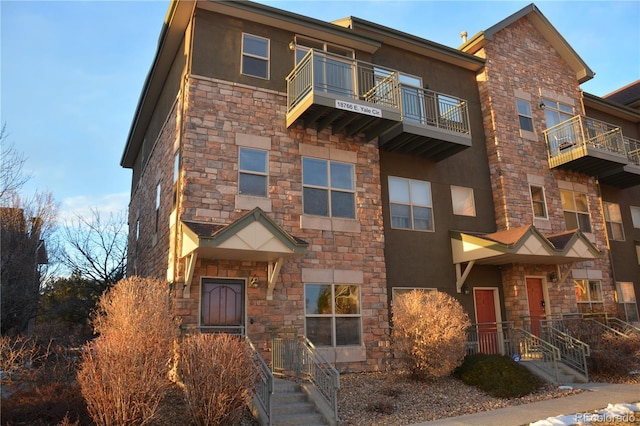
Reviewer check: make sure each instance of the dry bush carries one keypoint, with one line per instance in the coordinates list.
(617, 356)
(218, 374)
(124, 372)
(429, 332)
(18, 356)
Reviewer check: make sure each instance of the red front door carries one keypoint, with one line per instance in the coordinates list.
(536, 303)
(486, 318)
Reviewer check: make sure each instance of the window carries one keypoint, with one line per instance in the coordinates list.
(538, 202)
(253, 172)
(576, 210)
(635, 216)
(524, 115)
(614, 221)
(462, 199)
(398, 291)
(255, 56)
(411, 206)
(589, 295)
(137, 229)
(176, 174)
(157, 206)
(332, 314)
(328, 188)
(412, 98)
(333, 72)
(627, 301)
(638, 252)
(556, 112)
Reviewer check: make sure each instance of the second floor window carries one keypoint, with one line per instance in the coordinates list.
(614, 221)
(524, 115)
(253, 172)
(576, 210)
(328, 188)
(462, 200)
(555, 112)
(255, 56)
(538, 202)
(635, 216)
(410, 204)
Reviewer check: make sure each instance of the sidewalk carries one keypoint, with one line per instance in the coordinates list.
(597, 397)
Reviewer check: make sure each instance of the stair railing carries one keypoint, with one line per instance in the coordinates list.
(623, 326)
(532, 347)
(316, 369)
(264, 386)
(573, 352)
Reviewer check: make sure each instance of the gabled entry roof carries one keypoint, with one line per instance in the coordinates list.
(253, 237)
(522, 245)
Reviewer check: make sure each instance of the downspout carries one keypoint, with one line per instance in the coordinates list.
(613, 273)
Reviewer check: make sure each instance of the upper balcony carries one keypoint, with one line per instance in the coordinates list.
(354, 96)
(594, 148)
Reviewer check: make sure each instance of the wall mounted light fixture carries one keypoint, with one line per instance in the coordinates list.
(553, 277)
(253, 281)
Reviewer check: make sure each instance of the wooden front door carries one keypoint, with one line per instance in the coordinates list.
(222, 306)
(486, 320)
(535, 295)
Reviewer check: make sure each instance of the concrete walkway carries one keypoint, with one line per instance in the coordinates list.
(597, 397)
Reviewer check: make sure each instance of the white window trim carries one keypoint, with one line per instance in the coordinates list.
(544, 202)
(411, 204)
(590, 302)
(632, 209)
(244, 54)
(473, 201)
(577, 212)
(255, 173)
(329, 189)
(607, 219)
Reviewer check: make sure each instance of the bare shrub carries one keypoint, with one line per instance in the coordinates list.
(429, 332)
(124, 372)
(218, 374)
(617, 355)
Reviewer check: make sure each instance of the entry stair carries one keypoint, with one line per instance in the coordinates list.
(292, 406)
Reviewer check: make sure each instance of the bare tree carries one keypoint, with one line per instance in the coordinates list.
(12, 176)
(25, 224)
(96, 248)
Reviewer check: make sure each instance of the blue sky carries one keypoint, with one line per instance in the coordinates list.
(72, 72)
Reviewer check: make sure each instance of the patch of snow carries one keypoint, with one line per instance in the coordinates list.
(613, 412)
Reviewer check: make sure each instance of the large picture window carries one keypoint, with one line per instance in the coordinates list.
(255, 56)
(576, 210)
(328, 188)
(613, 218)
(253, 172)
(333, 315)
(410, 204)
(589, 295)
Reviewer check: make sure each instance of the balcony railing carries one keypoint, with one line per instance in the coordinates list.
(583, 132)
(348, 78)
(429, 108)
(632, 148)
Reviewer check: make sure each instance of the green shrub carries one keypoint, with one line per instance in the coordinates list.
(429, 332)
(498, 375)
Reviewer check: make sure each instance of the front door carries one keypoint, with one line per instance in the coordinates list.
(486, 320)
(535, 295)
(222, 306)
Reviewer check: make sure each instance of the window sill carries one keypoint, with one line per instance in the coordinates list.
(526, 134)
(344, 353)
(329, 224)
(246, 202)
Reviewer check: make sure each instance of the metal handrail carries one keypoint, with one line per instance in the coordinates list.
(532, 347)
(632, 147)
(316, 369)
(573, 352)
(431, 108)
(264, 386)
(580, 132)
(491, 338)
(622, 326)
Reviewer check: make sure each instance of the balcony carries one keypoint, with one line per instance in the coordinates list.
(586, 145)
(329, 90)
(629, 174)
(434, 125)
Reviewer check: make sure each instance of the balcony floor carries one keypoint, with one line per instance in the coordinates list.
(422, 140)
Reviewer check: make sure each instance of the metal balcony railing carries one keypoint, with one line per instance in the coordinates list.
(491, 338)
(632, 147)
(430, 108)
(583, 132)
(334, 74)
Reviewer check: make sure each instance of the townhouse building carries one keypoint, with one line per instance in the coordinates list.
(291, 176)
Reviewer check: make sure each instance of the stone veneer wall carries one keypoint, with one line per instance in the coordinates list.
(520, 62)
(217, 113)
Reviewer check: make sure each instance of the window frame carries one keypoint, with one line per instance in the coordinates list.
(589, 302)
(249, 172)
(157, 210)
(266, 59)
(535, 202)
(607, 206)
(333, 315)
(576, 213)
(562, 112)
(630, 305)
(469, 192)
(330, 188)
(635, 216)
(411, 205)
(524, 116)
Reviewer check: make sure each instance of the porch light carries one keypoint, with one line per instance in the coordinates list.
(253, 281)
(465, 289)
(553, 277)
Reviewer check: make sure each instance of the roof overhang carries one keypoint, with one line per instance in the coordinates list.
(610, 107)
(522, 245)
(254, 237)
(541, 23)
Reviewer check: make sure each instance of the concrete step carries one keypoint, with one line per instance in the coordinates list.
(291, 406)
(546, 371)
